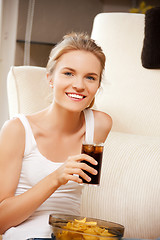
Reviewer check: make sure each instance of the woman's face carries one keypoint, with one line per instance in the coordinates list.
(76, 79)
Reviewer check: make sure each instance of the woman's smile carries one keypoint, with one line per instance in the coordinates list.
(75, 96)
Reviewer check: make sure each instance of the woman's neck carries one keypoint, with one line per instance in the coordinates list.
(66, 121)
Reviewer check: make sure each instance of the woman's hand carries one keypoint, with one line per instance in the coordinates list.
(73, 168)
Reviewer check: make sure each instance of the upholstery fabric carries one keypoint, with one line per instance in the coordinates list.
(130, 93)
(28, 90)
(129, 192)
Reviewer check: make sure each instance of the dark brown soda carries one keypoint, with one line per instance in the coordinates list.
(95, 151)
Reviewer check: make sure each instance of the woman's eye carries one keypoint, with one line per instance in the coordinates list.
(90, 78)
(68, 74)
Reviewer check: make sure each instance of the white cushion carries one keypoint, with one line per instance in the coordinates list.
(130, 93)
(129, 192)
(28, 90)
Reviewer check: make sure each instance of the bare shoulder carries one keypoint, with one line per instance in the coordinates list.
(12, 135)
(103, 125)
(12, 127)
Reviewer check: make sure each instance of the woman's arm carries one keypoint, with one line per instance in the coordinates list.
(16, 209)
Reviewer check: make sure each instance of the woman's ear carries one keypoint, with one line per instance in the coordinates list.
(50, 80)
(51, 83)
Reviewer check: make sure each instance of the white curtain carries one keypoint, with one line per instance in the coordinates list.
(8, 32)
(1, 6)
(28, 32)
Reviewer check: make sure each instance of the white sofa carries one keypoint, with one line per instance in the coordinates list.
(130, 185)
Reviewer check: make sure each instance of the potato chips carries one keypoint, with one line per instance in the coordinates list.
(84, 231)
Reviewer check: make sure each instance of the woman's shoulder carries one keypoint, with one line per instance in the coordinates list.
(12, 129)
(12, 137)
(103, 125)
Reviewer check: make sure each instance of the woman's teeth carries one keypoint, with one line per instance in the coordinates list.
(72, 95)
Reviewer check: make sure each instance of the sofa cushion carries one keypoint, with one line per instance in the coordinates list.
(129, 192)
(130, 92)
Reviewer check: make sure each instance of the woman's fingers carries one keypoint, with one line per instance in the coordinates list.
(83, 157)
(84, 176)
(75, 178)
(87, 168)
(76, 166)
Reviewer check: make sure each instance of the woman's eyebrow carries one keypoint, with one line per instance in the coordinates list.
(68, 68)
(95, 74)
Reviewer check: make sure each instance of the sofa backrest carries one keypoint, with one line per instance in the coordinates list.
(28, 90)
(130, 93)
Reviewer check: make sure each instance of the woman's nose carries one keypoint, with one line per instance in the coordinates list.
(78, 84)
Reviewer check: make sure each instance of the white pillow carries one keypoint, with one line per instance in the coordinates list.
(129, 192)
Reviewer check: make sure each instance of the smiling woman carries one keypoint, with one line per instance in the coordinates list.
(41, 172)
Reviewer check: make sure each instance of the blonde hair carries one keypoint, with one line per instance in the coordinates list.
(75, 41)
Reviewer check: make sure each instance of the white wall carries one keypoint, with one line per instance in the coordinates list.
(9, 17)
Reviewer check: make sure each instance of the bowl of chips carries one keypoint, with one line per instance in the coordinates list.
(69, 227)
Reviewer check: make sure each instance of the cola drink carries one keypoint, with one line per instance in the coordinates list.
(95, 151)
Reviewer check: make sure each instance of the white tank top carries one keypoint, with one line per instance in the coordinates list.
(65, 200)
